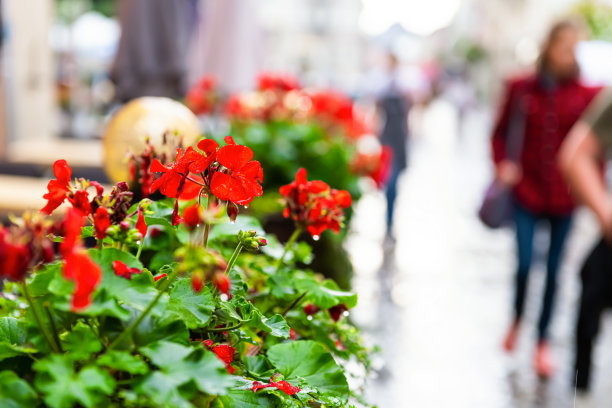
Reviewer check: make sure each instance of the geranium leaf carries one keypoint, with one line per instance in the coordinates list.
(12, 331)
(307, 361)
(15, 392)
(81, 342)
(123, 361)
(194, 309)
(63, 386)
(180, 365)
(326, 294)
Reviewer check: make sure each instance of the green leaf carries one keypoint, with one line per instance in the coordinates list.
(180, 365)
(241, 398)
(275, 325)
(137, 292)
(123, 361)
(325, 294)
(63, 386)
(194, 309)
(15, 392)
(307, 361)
(41, 280)
(81, 342)
(244, 311)
(12, 331)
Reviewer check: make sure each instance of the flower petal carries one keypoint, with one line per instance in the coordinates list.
(234, 157)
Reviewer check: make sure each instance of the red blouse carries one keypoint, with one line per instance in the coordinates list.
(550, 112)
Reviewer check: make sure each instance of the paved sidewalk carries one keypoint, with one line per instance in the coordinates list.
(440, 304)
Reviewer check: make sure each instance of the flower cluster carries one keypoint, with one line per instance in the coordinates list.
(203, 96)
(375, 164)
(224, 352)
(313, 205)
(227, 172)
(24, 246)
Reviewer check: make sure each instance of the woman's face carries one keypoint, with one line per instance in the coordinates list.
(562, 54)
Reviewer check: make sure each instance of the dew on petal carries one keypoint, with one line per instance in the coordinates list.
(345, 313)
(309, 317)
(224, 297)
(316, 237)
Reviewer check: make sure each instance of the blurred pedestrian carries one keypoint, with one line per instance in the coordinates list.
(547, 103)
(581, 160)
(393, 105)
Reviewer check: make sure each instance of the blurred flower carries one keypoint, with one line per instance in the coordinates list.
(222, 282)
(313, 205)
(141, 225)
(58, 189)
(191, 216)
(225, 353)
(311, 309)
(124, 271)
(203, 96)
(284, 386)
(337, 311)
(101, 222)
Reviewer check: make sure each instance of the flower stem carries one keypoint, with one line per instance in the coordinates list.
(130, 329)
(207, 225)
(222, 329)
(288, 246)
(140, 248)
(53, 328)
(294, 304)
(99, 245)
(233, 258)
(38, 320)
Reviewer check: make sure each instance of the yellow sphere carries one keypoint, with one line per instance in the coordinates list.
(140, 118)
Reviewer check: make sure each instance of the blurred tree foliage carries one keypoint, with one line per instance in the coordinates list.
(70, 10)
(598, 16)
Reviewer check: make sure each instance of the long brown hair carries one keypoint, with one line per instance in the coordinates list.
(574, 24)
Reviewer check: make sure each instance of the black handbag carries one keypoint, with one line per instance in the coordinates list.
(496, 208)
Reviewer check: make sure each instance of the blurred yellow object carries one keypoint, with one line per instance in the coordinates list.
(145, 117)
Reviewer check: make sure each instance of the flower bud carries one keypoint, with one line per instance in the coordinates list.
(222, 282)
(232, 211)
(197, 280)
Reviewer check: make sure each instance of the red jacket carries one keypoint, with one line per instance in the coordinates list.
(550, 112)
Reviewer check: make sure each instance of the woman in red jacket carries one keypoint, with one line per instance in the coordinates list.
(549, 103)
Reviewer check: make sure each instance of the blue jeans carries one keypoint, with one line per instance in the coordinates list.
(525, 222)
(391, 194)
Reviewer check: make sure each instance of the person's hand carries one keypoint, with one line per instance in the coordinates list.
(508, 172)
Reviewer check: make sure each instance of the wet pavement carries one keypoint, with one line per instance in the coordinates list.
(439, 303)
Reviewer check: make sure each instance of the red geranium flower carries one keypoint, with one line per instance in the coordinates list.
(78, 266)
(313, 205)
(241, 182)
(225, 353)
(284, 386)
(172, 182)
(277, 82)
(58, 189)
(124, 271)
(191, 216)
(160, 276)
(80, 201)
(101, 222)
(311, 309)
(337, 311)
(14, 258)
(141, 225)
(222, 282)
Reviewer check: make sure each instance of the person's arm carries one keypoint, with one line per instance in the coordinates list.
(579, 160)
(506, 170)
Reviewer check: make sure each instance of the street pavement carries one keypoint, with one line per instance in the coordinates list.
(439, 303)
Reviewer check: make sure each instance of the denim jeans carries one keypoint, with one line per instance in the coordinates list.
(525, 222)
(391, 194)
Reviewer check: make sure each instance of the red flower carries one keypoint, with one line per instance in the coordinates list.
(222, 282)
(202, 96)
(86, 275)
(124, 271)
(191, 216)
(176, 218)
(313, 205)
(80, 201)
(311, 309)
(172, 182)
(337, 311)
(141, 225)
(101, 222)
(14, 258)
(241, 182)
(225, 353)
(197, 280)
(277, 82)
(284, 386)
(78, 266)
(58, 189)
(158, 277)
(292, 334)
(208, 344)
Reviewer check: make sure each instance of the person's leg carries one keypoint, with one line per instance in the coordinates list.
(596, 287)
(525, 226)
(391, 193)
(559, 228)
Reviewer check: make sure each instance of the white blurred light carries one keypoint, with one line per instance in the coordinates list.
(526, 51)
(419, 17)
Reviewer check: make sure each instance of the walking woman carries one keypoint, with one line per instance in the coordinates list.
(546, 104)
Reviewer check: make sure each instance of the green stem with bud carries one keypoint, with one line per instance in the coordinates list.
(207, 225)
(234, 257)
(288, 246)
(140, 248)
(130, 329)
